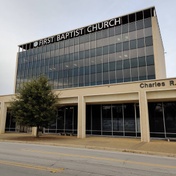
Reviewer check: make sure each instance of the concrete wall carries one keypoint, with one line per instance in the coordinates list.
(159, 57)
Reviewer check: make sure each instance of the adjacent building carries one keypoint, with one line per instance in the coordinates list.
(110, 75)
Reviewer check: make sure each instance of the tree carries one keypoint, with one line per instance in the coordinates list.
(35, 104)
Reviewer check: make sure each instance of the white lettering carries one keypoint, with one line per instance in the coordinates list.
(89, 29)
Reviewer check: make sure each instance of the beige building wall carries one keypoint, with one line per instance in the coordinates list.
(159, 57)
(136, 92)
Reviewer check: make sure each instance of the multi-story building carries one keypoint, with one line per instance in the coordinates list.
(110, 75)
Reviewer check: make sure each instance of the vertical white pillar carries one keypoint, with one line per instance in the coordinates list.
(144, 117)
(81, 117)
(3, 112)
(34, 131)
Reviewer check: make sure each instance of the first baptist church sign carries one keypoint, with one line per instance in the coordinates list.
(78, 32)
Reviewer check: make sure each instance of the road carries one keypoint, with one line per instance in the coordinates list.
(20, 159)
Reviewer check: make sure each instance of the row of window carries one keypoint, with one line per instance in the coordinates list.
(103, 67)
(108, 49)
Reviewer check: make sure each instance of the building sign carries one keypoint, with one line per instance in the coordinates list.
(158, 84)
(78, 32)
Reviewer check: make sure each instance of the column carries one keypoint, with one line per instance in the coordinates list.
(3, 112)
(81, 117)
(144, 117)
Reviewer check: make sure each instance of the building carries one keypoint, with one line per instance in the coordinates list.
(110, 75)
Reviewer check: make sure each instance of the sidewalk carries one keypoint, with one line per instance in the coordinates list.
(155, 147)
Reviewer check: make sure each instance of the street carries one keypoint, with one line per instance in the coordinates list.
(22, 159)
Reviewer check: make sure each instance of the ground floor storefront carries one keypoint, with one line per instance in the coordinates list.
(142, 109)
(111, 120)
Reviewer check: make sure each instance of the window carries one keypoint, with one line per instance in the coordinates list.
(150, 60)
(141, 61)
(118, 47)
(112, 48)
(105, 50)
(148, 41)
(140, 42)
(125, 46)
(133, 44)
(134, 62)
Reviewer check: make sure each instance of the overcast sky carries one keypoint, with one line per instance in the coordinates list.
(22, 21)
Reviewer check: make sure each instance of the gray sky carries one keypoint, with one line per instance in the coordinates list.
(22, 21)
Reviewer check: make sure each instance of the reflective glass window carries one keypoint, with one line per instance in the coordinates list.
(132, 26)
(132, 44)
(147, 22)
(150, 60)
(141, 61)
(139, 24)
(125, 46)
(134, 62)
(118, 47)
(140, 43)
(148, 41)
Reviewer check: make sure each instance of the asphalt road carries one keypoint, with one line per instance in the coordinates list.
(20, 159)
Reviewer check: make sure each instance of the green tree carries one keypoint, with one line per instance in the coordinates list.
(35, 104)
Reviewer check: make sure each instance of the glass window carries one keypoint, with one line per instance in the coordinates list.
(112, 66)
(118, 30)
(140, 43)
(125, 28)
(111, 32)
(148, 41)
(105, 33)
(150, 60)
(133, 44)
(92, 52)
(112, 48)
(156, 119)
(99, 68)
(139, 24)
(106, 120)
(134, 62)
(132, 26)
(129, 119)
(141, 61)
(117, 119)
(119, 65)
(92, 69)
(96, 119)
(170, 118)
(98, 35)
(99, 51)
(87, 55)
(105, 50)
(112, 77)
(92, 36)
(105, 67)
(118, 47)
(147, 22)
(126, 64)
(125, 46)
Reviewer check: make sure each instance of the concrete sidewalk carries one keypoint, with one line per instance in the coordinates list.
(155, 147)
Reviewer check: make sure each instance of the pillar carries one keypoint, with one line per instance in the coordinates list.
(144, 117)
(34, 131)
(3, 112)
(81, 117)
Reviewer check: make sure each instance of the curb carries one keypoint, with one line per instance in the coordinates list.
(95, 148)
